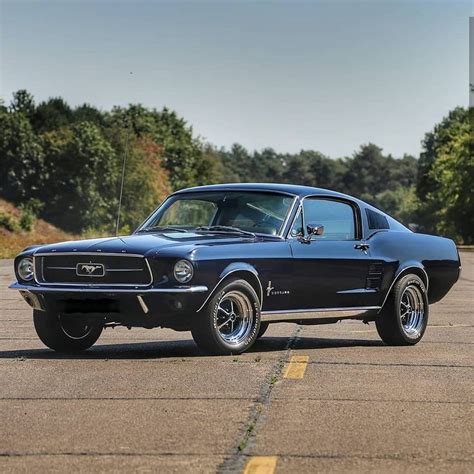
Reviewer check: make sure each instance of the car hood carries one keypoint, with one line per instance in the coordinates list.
(144, 244)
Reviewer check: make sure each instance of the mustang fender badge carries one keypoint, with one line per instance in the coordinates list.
(271, 292)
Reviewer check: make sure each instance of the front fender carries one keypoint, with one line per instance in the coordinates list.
(235, 267)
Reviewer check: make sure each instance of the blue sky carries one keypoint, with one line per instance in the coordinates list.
(323, 75)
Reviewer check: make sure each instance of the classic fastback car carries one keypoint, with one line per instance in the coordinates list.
(225, 261)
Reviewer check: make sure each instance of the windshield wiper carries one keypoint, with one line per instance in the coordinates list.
(168, 228)
(225, 228)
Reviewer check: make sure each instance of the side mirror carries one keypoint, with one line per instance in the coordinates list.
(312, 229)
(315, 229)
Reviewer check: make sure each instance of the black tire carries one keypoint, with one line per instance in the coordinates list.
(65, 333)
(213, 329)
(404, 317)
(262, 330)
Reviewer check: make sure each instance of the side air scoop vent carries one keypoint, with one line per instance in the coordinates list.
(374, 276)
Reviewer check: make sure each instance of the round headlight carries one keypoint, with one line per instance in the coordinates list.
(183, 271)
(25, 269)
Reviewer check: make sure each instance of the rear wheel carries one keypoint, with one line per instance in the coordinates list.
(230, 322)
(403, 319)
(65, 333)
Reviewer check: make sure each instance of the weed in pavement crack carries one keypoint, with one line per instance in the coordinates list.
(235, 462)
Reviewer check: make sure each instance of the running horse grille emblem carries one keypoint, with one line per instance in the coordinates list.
(90, 269)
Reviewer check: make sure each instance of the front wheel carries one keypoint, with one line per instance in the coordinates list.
(403, 319)
(230, 322)
(65, 333)
(263, 329)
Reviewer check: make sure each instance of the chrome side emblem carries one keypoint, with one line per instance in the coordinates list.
(272, 292)
(90, 269)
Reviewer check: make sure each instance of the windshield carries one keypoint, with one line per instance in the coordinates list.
(256, 212)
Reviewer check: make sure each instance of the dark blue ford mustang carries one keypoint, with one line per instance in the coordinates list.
(224, 261)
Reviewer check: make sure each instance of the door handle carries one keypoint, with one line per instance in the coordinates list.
(364, 247)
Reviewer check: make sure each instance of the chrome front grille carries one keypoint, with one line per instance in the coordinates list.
(95, 269)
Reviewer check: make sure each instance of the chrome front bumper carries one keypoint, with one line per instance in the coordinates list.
(35, 294)
(105, 290)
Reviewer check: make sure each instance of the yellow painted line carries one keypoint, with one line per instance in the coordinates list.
(296, 368)
(261, 465)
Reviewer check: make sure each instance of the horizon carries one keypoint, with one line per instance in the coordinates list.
(261, 74)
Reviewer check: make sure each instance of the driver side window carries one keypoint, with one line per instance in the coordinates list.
(337, 218)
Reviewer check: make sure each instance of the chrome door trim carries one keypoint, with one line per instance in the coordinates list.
(284, 231)
(358, 226)
(322, 313)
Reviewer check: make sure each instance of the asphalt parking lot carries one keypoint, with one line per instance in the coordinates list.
(305, 399)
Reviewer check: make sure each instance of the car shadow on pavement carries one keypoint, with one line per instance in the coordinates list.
(182, 349)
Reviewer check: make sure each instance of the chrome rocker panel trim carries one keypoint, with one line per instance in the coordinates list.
(105, 290)
(321, 313)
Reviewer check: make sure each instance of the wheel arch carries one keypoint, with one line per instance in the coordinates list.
(416, 269)
(246, 271)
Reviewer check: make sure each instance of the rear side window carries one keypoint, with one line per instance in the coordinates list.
(376, 220)
(336, 217)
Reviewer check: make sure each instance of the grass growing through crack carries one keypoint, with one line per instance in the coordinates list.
(276, 375)
(258, 409)
(248, 431)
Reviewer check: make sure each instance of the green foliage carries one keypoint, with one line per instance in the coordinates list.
(210, 168)
(379, 179)
(8, 222)
(401, 203)
(52, 114)
(146, 182)
(440, 136)
(80, 179)
(29, 214)
(181, 152)
(448, 203)
(23, 103)
(88, 113)
(21, 158)
(70, 159)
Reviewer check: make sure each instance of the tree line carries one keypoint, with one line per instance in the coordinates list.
(64, 164)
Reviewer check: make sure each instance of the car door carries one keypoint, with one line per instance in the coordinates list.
(331, 270)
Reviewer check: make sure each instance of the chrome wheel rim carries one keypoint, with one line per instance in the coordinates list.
(412, 311)
(234, 317)
(74, 328)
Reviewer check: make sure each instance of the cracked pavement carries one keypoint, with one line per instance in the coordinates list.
(148, 400)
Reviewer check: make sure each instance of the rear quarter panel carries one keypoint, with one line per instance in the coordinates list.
(437, 256)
